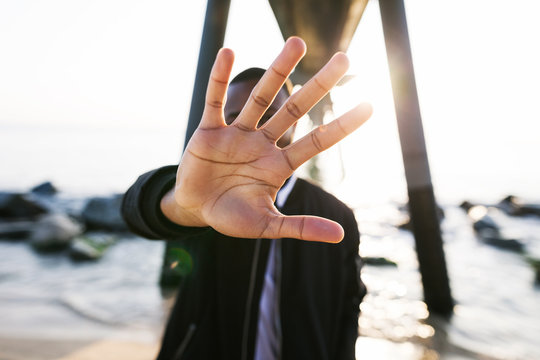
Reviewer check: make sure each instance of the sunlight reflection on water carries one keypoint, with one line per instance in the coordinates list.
(497, 314)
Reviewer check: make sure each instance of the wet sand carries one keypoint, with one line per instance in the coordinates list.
(45, 349)
(108, 349)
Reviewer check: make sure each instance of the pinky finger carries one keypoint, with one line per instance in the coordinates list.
(325, 136)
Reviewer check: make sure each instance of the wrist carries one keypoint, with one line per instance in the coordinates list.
(178, 215)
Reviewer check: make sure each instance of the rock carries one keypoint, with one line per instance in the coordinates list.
(482, 221)
(54, 232)
(466, 205)
(46, 188)
(19, 206)
(406, 223)
(103, 213)
(488, 231)
(530, 209)
(535, 264)
(378, 261)
(90, 246)
(503, 243)
(16, 230)
(512, 205)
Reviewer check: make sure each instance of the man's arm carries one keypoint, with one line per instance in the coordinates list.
(141, 206)
(229, 175)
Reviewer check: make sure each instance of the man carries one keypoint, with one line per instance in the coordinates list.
(253, 291)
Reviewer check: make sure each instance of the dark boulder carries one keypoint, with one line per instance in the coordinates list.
(466, 205)
(503, 242)
(482, 219)
(489, 231)
(512, 205)
(90, 246)
(16, 230)
(406, 223)
(46, 189)
(378, 261)
(535, 264)
(54, 232)
(19, 206)
(103, 213)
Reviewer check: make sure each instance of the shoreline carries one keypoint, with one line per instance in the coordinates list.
(35, 348)
(21, 348)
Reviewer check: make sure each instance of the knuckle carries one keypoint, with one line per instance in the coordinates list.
(288, 160)
(319, 83)
(339, 125)
(316, 141)
(242, 127)
(281, 220)
(268, 134)
(219, 81)
(293, 109)
(301, 230)
(260, 100)
(278, 73)
(214, 104)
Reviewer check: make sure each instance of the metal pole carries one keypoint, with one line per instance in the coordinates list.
(422, 205)
(215, 24)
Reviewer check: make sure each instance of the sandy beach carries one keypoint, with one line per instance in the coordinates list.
(57, 349)
(107, 349)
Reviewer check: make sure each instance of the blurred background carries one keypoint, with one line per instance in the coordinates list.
(94, 93)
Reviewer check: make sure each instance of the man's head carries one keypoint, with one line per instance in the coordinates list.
(239, 91)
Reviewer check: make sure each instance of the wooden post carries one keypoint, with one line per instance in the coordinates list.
(215, 24)
(422, 205)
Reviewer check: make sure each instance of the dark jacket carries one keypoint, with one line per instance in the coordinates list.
(216, 312)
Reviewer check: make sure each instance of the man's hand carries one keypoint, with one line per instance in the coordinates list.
(229, 175)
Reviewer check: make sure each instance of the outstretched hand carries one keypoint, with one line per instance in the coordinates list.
(229, 175)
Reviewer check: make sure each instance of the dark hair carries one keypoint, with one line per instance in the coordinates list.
(256, 73)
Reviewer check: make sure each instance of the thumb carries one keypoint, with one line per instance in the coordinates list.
(310, 228)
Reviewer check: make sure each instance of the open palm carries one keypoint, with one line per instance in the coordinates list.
(230, 174)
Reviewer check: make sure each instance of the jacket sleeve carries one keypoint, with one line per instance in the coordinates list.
(354, 290)
(141, 207)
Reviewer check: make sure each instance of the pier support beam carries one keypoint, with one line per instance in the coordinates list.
(215, 24)
(422, 205)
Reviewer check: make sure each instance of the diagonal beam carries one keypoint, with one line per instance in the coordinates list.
(422, 205)
(215, 24)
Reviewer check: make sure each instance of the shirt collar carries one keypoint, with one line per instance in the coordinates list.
(285, 191)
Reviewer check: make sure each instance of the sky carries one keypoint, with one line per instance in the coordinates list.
(93, 93)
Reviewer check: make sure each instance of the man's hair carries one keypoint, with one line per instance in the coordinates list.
(256, 73)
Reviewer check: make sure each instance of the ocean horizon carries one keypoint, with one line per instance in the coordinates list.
(83, 159)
